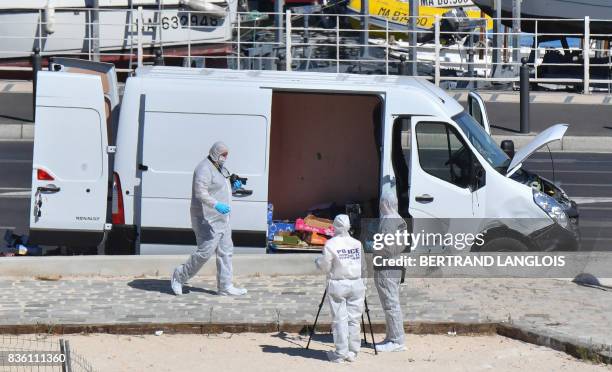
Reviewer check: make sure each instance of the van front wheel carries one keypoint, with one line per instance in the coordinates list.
(504, 244)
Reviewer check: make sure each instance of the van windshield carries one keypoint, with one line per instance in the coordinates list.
(483, 143)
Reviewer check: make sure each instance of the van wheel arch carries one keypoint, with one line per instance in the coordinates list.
(504, 239)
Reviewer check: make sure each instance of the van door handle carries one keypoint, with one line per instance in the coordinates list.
(49, 189)
(425, 198)
(241, 193)
(143, 167)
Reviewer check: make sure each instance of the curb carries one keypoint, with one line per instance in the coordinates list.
(154, 265)
(17, 131)
(574, 348)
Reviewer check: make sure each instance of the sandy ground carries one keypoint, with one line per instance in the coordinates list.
(286, 352)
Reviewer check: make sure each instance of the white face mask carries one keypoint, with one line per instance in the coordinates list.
(221, 160)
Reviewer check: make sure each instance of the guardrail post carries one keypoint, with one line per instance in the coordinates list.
(524, 86)
(288, 40)
(337, 44)
(437, 43)
(189, 36)
(586, 52)
(497, 35)
(516, 33)
(413, 20)
(95, 30)
(159, 59)
(36, 66)
(65, 350)
(139, 25)
(238, 43)
(536, 52)
(386, 46)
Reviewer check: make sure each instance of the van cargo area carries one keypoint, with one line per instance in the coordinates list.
(324, 148)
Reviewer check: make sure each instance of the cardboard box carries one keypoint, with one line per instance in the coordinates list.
(302, 225)
(313, 238)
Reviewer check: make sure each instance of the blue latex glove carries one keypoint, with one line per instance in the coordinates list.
(237, 184)
(222, 208)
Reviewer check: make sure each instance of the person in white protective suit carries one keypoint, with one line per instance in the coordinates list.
(210, 219)
(387, 279)
(342, 262)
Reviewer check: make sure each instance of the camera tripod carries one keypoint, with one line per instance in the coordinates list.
(367, 311)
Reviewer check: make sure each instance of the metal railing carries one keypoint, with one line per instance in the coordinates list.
(40, 352)
(326, 42)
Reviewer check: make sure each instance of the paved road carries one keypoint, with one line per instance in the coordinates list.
(585, 177)
(505, 117)
(547, 307)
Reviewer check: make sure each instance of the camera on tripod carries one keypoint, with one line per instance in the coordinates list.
(241, 191)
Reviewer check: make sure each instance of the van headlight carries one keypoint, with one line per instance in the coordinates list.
(551, 207)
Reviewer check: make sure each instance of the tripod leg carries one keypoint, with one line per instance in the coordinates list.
(314, 326)
(367, 310)
(365, 339)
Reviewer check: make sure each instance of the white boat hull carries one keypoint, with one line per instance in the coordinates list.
(22, 31)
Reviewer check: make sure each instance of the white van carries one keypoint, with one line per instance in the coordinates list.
(123, 180)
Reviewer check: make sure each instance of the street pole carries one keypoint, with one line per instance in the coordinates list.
(412, 23)
(278, 21)
(516, 29)
(365, 28)
(95, 30)
(36, 66)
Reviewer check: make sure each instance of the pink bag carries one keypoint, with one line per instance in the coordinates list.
(301, 225)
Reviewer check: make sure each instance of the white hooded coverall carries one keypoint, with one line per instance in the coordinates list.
(387, 280)
(212, 229)
(342, 262)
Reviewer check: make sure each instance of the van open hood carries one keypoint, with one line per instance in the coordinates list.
(554, 133)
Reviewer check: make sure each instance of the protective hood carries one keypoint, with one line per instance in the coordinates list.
(554, 133)
(342, 225)
(388, 205)
(216, 150)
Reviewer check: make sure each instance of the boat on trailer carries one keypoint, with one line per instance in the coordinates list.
(66, 27)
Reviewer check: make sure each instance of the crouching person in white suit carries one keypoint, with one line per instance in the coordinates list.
(342, 262)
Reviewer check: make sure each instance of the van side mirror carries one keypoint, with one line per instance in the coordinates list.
(479, 177)
(507, 146)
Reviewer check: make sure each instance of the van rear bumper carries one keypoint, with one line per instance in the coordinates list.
(68, 238)
(122, 240)
(174, 236)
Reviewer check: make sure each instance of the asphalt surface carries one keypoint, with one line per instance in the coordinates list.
(504, 116)
(585, 177)
(15, 108)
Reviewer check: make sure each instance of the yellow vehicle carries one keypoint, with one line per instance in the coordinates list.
(395, 13)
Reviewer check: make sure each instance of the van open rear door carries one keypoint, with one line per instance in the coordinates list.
(70, 174)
